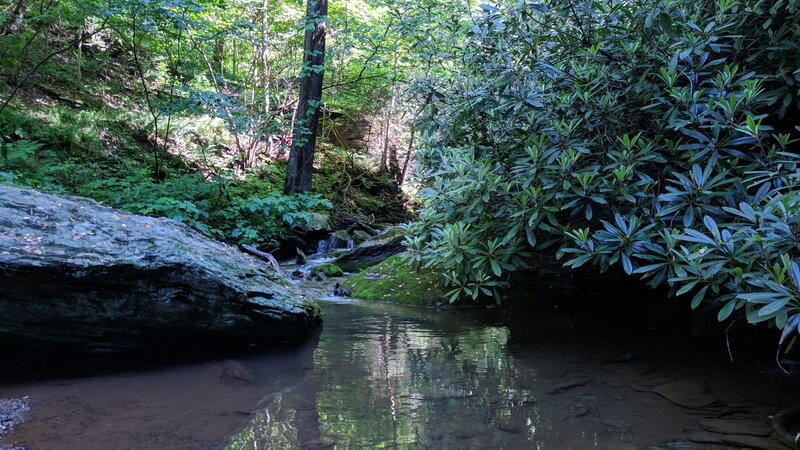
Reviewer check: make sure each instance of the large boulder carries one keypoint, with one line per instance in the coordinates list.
(79, 275)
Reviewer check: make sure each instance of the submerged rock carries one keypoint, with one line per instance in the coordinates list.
(686, 394)
(12, 413)
(234, 372)
(571, 382)
(75, 274)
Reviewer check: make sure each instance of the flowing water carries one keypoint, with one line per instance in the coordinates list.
(380, 376)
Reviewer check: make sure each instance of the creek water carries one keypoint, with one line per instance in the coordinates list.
(381, 376)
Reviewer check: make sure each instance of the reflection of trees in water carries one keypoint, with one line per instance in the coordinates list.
(395, 383)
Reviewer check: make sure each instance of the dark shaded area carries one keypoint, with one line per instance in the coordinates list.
(32, 364)
(616, 304)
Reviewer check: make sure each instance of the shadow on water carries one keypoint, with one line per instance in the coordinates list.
(30, 364)
(380, 376)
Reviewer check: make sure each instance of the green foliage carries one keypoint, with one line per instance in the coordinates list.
(43, 153)
(653, 136)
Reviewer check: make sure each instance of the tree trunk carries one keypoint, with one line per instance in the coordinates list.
(394, 165)
(218, 55)
(404, 170)
(13, 22)
(304, 136)
(385, 132)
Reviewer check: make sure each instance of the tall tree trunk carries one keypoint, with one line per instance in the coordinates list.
(304, 136)
(218, 55)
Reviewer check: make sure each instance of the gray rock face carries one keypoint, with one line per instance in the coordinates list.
(80, 275)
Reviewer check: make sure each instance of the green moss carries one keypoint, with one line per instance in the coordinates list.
(360, 236)
(394, 281)
(329, 270)
(338, 252)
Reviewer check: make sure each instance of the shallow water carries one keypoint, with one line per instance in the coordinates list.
(381, 376)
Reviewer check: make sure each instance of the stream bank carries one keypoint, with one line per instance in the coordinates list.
(383, 375)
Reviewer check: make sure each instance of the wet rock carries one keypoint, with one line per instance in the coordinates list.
(361, 236)
(12, 413)
(683, 444)
(585, 405)
(342, 235)
(234, 372)
(685, 393)
(339, 291)
(617, 425)
(787, 425)
(301, 257)
(319, 221)
(370, 253)
(75, 274)
(704, 437)
(726, 426)
(317, 276)
(572, 382)
(752, 442)
(513, 424)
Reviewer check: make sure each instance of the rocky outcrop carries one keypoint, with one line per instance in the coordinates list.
(79, 275)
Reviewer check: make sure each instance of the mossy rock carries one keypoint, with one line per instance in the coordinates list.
(360, 236)
(319, 221)
(392, 232)
(370, 253)
(338, 252)
(329, 270)
(394, 281)
(342, 235)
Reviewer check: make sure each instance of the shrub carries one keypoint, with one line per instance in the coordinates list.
(653, 135)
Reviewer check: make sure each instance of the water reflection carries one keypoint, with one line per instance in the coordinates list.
(388, 377)
(384, 380)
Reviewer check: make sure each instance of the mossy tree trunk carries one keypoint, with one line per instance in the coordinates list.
(304, 136)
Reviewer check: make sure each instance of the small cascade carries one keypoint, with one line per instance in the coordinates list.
(334, 243)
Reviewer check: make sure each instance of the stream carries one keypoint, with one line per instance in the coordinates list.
(383, 376)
